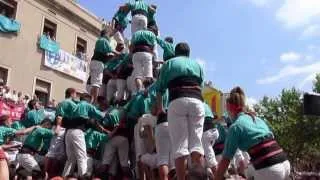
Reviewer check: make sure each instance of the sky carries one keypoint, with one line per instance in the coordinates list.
(262, 46)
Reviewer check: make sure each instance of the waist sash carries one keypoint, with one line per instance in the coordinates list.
(266, 154)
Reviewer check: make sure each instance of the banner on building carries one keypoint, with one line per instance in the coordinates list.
(67, 63)
(8, 25)
(48, 45)
(15, 111)
(213, 98)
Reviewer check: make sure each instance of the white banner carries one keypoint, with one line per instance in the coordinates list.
(67, 63)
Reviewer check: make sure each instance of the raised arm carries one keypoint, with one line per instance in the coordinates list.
(25, 131)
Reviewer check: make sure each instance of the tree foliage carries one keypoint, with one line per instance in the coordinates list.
(297, 134)
(316, 84)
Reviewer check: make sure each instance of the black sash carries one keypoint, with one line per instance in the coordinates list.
(266, 154)
(185, 87)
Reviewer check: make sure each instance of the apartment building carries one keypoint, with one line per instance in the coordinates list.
(45, 46)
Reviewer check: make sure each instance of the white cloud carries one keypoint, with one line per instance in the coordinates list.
(289, 71)
(298, 13)
(251, 101)
(290, 57)
(309, 58)
(260, 3)
(307, 80)
(311, 31)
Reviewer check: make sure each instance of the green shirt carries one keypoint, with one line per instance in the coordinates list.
(103, 46)
(114, 116)
(168, 49)
(34, 117)
(95, 139)
(87, 111)
(138, 5)
(113, 64)
(222, 133)
(36, 139)
(153, 96)
(5, 132)
(145, 37)
(66, 108)
(18, 125)
(151, 17)
(179, 67)
(244, 133)
(121, 17)
(133, 107)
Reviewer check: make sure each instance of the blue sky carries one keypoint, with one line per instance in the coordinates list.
(260, 45)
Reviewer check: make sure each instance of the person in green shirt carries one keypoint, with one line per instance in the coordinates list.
(34, 116)
(66, 107)
(102, 53)
(119, 24)
(151, 16)
(184, 78)
(251, 134)
(168, 47)
(116, 86)
(142, 48)
(75, 139)
(94, 141)
(119, 144)
(7, 132)
(139, 12)
(32, 147)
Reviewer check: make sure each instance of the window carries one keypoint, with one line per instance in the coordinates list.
(81, 48)
(4, 75)
(8, 8)
(42, 91)
(49, 29)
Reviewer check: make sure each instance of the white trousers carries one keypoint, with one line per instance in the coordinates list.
(208, 139)
(96, 73)
(131, 84)
(142, 65)
(280, 171)
(186, 118)
(163, 146)
(118, 145)
(139, 22)
(116, 88)
(28, 162)
(91, 164)
(150, 160)
(140, 144)
(76, 152)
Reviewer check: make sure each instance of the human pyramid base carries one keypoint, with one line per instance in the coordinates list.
(141, 119)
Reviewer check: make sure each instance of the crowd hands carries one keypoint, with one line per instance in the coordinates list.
(12, 96)
(141, 119)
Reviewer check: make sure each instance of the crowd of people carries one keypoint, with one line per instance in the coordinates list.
(141, 119)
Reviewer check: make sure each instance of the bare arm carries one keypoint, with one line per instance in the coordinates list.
(25, 131)
(10, 146)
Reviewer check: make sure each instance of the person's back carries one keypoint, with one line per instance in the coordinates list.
(252, 130)
(184, 79)
(35, 140)
(65, 108)
(184, 66)
(144, 37)
(34, 117)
